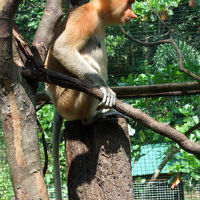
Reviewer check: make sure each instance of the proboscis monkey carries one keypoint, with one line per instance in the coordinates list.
(79, 51)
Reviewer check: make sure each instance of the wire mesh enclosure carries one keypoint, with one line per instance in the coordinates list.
(158, 190)
(128, 57)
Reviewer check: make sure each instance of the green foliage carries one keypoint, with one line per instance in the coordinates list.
(113, 44)
(140, 79)
(6, 190)
(187, 165)
(166, 62)
(145, 13)
(28, 17)
(167, 55)
(45, 117)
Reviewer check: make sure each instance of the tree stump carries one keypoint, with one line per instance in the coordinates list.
(98, 160)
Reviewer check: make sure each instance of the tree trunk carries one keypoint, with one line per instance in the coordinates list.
(18, 117)
(98, 160)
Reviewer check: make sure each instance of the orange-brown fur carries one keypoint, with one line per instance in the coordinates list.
(64, 99)
(83, 23)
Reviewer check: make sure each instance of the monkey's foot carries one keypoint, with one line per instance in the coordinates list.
(109, 113)
(104, 114)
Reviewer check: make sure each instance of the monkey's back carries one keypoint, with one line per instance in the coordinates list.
(71, 104)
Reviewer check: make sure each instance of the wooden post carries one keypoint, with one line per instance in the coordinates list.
(98, 160)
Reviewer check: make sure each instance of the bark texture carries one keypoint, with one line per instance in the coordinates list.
(18, 116)
(98, 160)
(50, 20)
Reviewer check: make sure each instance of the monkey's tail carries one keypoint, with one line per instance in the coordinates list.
(57, 125)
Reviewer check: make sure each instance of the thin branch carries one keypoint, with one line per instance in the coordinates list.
(169, 155)
(43, 98)
(151, 182)
(168, 89)
(160, 94)
(187, 133)
(180, 61)
(22, 45)
(158, 17)
(146, 44)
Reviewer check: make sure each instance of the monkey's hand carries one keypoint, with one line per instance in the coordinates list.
(109, 97)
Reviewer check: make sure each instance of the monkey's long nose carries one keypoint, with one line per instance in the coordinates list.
(130, 15)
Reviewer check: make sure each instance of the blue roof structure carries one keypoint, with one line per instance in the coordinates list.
(153, 155)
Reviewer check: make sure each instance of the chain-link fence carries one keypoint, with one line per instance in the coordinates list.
(161, 190)
(158, 189)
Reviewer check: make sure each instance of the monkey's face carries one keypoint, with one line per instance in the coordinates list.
(128, 13)
(121, 11)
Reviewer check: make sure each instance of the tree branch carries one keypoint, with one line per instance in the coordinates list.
(136, 114)
(169, 155)
(146, 44)
(187, 133)
(168, 89)
(128, 92)
(50, 20)
(159, 17)
(180, 61)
